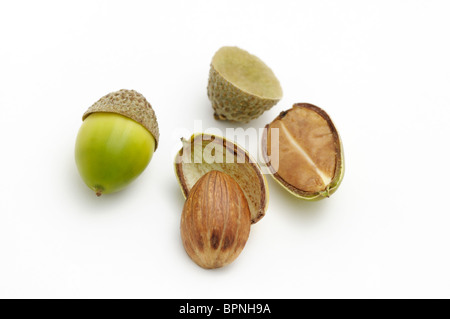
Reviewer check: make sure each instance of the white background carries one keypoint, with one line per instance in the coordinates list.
(379, 68)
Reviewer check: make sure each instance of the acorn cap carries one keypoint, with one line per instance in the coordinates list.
(131, 104)
(204, 153)
(241, 86)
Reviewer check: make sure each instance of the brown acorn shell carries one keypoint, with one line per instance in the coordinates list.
(311, 158)
(193, 161)
(215, 223)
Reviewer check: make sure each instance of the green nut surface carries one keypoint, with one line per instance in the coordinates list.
(111, 151)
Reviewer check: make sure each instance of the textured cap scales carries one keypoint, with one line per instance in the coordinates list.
(131, 104)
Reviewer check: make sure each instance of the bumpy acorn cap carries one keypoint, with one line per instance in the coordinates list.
(304, 152)
(131, 104)
(241, 86)
(204, 153)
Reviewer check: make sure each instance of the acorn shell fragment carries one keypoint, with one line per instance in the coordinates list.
(204, 153)
(241, 86)
(304, 152)
(131, 104)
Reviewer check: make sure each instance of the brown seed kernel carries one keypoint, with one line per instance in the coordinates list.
(215, 223)
(306, 158)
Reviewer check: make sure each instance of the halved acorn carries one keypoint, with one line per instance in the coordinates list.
(303, 151)
(204, 153)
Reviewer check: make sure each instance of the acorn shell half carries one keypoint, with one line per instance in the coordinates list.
(304, 152)
(203, 153)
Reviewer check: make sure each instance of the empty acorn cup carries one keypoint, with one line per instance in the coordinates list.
(241, 86)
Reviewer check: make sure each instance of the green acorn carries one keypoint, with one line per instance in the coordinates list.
(116, 141)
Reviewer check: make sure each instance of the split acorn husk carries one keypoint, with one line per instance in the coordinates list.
(304, 152)
(241, 86)
(116, 141)
(215, 223)
(203, 153)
